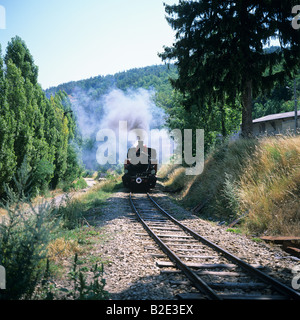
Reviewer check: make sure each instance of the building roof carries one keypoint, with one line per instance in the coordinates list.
(277, 116)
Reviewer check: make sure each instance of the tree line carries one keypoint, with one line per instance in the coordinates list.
(87, 99)
(220, 54)
(151, 77)
(36, 132)
(218, 120)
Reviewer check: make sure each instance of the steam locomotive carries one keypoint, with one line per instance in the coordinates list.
(140, 168)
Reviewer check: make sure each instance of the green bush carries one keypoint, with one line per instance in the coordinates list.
(80, 184)
(42, 176)
(24, 237)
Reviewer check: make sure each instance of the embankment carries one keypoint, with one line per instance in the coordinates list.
(257, 179)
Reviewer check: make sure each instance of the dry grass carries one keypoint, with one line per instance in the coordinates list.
(61, 248)
(177, 179)
(270, 187)
(258, 177)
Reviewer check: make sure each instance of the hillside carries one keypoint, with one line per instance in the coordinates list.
(258, 180)
(88, 99)
(137, 96)
(152, 77)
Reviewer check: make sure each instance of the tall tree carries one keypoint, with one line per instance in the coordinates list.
(20, 110)
(7, 130)
(219, 50)
(20, 55)
(35, 132)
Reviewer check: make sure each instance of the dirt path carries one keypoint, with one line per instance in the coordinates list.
(57, 200)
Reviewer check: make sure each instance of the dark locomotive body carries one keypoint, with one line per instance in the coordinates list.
(140, 168)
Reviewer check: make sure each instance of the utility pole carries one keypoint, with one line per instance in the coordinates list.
(296, 108)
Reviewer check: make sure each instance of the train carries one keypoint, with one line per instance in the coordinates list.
(140, 168)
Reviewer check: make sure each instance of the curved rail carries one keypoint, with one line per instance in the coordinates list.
(201, 285)
(195, 279)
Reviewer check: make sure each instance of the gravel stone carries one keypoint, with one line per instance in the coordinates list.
(132, 274)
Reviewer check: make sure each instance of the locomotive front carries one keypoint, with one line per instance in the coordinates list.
(140, 168)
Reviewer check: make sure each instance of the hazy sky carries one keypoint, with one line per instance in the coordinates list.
(74, 40)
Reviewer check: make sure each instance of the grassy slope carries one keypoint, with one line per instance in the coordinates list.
(258, 177)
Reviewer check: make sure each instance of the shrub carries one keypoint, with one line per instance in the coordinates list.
(80, 184)
(42, 175)
(24, 237)
(70, 212)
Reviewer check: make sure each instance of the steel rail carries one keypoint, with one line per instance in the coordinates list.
(278, 286)
(192, 276)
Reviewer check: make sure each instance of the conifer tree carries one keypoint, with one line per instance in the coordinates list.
(7, 129)
(21, 112)
(33, 129)
(20, 55)
(219, 50)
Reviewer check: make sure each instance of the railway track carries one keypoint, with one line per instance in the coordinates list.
(213, 271)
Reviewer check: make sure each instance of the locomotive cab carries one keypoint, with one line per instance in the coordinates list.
(140, 168)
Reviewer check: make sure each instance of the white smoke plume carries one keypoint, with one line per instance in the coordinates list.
(136, 107)
(88, 112)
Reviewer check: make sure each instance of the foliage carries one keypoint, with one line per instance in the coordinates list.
(219, 120)
(80, 184)
(24, 236)
(152, 77)
(19, 54)
(219, 51)
(33, 127)
(230, 194)
(257, 180)
(87, 98)
(234, 230)
(279, 99)
(223, 166)
(218, 123)
(84, 284)
(34, 237)
(70, 212)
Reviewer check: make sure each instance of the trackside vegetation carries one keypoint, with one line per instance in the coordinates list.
(47, 250)
(257, 179)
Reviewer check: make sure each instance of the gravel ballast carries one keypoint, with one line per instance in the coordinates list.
(131, 272)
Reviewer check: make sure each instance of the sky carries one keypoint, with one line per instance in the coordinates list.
(72, 40)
